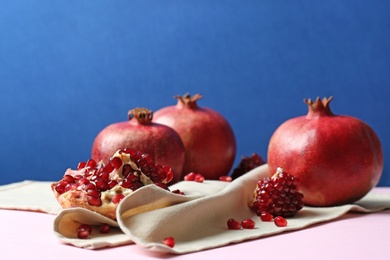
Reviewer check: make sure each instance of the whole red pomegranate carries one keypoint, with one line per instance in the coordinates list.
(338, 158)
(208, 138)
(159, 141)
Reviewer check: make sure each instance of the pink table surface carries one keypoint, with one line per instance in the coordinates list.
(29, 235)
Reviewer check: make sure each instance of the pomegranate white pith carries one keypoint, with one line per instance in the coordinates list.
(100, 187)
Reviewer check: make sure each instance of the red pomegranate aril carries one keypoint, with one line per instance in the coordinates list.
(199, 178)
(83, 181)
(93, 193)
(60, 186)
(81, 165)
(101, 185)
(233, 224)
(104, 228)
(83, 231)
(280, 221)
(108, 168)
(169, 241)
(190, 176)
(91, 163)
(116, 162)
(265, 216)
(126, 170)
(225, 178)
(93, 201)
(68, 178)
(248, 224)
(117, 198)
(112, 184)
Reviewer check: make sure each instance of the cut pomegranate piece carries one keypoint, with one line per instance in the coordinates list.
(101, 187)
(278, 195)
(247, 164)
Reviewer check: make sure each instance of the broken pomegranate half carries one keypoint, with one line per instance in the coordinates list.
(100, 187)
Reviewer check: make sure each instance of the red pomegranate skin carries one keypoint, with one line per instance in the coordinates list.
(338, 158)
(161, 142)
(207, 136)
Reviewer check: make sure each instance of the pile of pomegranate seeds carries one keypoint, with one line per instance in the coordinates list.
(99, 183)
(278, 195)
(169, 241)
(247, 164)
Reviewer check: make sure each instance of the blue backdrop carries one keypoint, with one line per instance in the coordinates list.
(70, 68)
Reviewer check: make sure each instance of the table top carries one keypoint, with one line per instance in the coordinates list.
(353, 236)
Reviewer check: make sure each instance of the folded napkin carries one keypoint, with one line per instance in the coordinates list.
(197, 221)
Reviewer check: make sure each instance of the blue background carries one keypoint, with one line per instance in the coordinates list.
(70, 68)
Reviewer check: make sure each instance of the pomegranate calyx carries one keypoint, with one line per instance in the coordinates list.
(144, 116)
(188, 101)
(319, 107)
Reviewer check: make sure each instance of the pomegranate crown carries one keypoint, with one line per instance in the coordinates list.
(143, 115)
(319, 107)
(188, 101)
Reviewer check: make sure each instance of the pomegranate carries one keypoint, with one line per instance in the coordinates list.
(160, 142)
(100, 187)
(247, 163)
(337, 158)
(209, 141)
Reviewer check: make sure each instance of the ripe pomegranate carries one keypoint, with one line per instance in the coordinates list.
(160, 142)
(209, 141)
(100, 187)
(337, 158)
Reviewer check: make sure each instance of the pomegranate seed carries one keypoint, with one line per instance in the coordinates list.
(101, 184)
(93, 201)
(199, 177)
(82, 181)
(169, 241)
(93, 193)
(108, 168)
(81, 165)
(117, 198)
(83, 231)
(61, 186)
(233, 224)
(91, 163)
(225, 178)
(104, 228)
(280, 221)
(248, 224)
(126, 170)
(68, 178)
(265, 216)
(112, 184)
(190, 176)
(116, 162)
(177, 191)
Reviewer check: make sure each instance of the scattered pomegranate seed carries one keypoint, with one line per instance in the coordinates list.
(190, 176)
(177, 191)
(233, 224)
(199, 178)
(225, 178)
(265, 216)
(104, 228)
(248, 224)
(169, 241)
(280, 221)
(83, 231)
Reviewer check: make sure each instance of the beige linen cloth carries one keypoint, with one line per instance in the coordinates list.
(197, 221)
